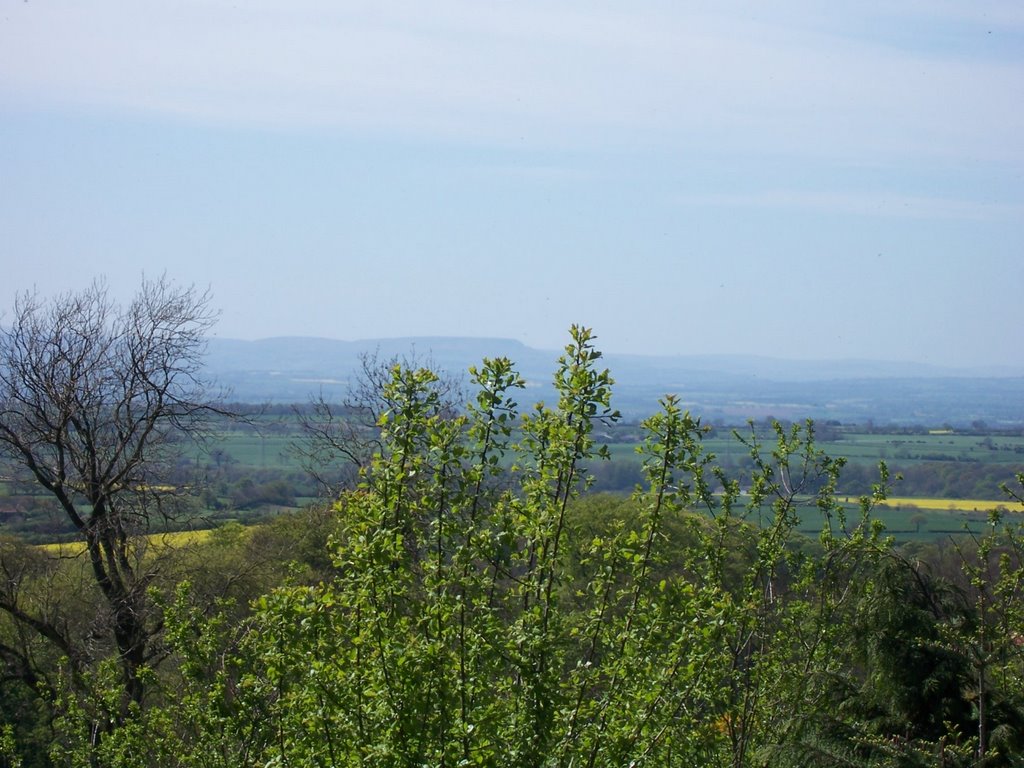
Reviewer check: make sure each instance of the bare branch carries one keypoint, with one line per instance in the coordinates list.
(340, 439)
(95, 399)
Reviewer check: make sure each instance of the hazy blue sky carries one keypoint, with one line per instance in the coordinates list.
(795, 179)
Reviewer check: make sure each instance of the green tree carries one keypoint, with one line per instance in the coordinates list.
(991, 635)
(453, 631)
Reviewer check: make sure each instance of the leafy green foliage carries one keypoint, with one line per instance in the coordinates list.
(469, 605)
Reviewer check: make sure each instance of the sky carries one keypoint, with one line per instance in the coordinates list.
(794, 179)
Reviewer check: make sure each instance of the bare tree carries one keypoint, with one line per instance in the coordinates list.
(340, 439)
(95, 400)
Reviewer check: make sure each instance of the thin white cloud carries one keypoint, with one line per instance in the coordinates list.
(707, 77)
(880, 204)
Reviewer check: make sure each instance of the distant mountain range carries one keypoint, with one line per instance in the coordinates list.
(726, 387)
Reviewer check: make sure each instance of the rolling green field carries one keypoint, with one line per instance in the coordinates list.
(870, 447)
(950, 479)
(995, 457)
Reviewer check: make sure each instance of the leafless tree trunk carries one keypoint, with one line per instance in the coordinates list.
(95, 400)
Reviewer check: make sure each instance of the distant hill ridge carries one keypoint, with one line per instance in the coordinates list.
(294, 368)
(307, 352)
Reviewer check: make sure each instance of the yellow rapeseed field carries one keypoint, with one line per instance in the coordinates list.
(957, 505)
(175, 539)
